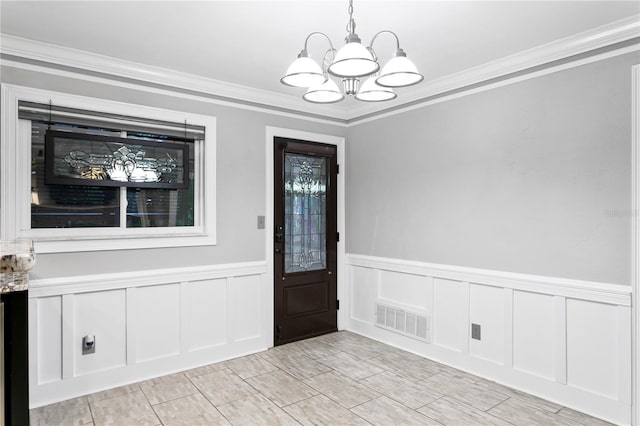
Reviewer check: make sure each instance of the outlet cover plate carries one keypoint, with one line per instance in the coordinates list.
(475, 331)
(86, 350)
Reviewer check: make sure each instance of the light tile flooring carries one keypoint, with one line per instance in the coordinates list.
(336, 379)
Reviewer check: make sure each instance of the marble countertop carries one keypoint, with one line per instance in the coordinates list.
(14, 271)
(11, 288)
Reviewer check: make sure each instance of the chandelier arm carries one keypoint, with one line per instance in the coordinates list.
(384, 32)
(306, 41)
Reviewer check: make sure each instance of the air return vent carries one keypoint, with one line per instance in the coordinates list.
(404, 322)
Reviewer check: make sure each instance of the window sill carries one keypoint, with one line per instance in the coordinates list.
(69, 245)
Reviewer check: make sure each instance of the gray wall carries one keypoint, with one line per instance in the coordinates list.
(240, 182)
(533, 177)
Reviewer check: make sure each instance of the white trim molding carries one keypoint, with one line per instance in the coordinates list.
(585, 290)
(80, 64)
(146, 324)
(566, 341)
(596, 38)
(46, 287)
(15, 177)
(339, 142)
(635, 238)
(110, 67)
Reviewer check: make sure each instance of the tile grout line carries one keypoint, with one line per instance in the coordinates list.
(150, 406)
(93, 419)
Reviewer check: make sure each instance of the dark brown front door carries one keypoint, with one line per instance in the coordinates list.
(305, 240)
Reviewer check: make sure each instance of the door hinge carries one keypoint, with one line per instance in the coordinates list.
(337, 169)
(338, 305)
(337, 236)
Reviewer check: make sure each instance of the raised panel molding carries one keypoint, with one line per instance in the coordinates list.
(533, 329)
(157, 321)
(560, 338)
(49, 337)
(147, 324)
(592, 347)
(567, 341)
(245, 308)
(451, 319)
(99, 314)
(487, 308)
(411, 290)
(204, 311)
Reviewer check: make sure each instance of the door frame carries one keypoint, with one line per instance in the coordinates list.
(635, 244)
(341, 274)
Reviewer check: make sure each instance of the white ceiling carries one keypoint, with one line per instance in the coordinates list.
(251, 43)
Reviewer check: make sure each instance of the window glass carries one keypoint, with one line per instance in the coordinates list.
(66, 206)
(80, 206)
(156, 207)
(159, 207)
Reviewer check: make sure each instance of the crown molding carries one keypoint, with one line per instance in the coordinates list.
(106, 66)
(46, 53)
(596, 38)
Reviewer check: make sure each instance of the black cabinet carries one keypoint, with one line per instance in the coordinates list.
(16, 358)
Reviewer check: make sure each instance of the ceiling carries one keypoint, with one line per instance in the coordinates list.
(251, 43)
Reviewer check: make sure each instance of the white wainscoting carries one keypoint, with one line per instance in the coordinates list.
(564, 340)
(146, 323)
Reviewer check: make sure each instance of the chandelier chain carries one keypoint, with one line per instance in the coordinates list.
(351, 26)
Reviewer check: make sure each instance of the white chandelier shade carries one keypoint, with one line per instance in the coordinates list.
(325, 93)
(399, 72)
(352, 62)
(370, 91)
(304, 72)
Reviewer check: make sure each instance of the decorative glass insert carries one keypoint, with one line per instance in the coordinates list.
(83, 159)
(305, 200)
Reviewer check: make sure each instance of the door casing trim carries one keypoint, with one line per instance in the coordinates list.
(339, 142)
(635, 244)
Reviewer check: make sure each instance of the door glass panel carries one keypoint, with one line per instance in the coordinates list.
(305, 209)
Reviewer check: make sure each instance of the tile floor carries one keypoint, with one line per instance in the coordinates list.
(336, 379)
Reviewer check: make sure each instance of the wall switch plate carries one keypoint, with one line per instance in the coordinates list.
(260, 222)
(475, 331)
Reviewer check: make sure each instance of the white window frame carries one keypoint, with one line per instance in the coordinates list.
(15, 180)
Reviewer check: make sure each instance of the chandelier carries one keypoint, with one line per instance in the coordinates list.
(351, 63)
